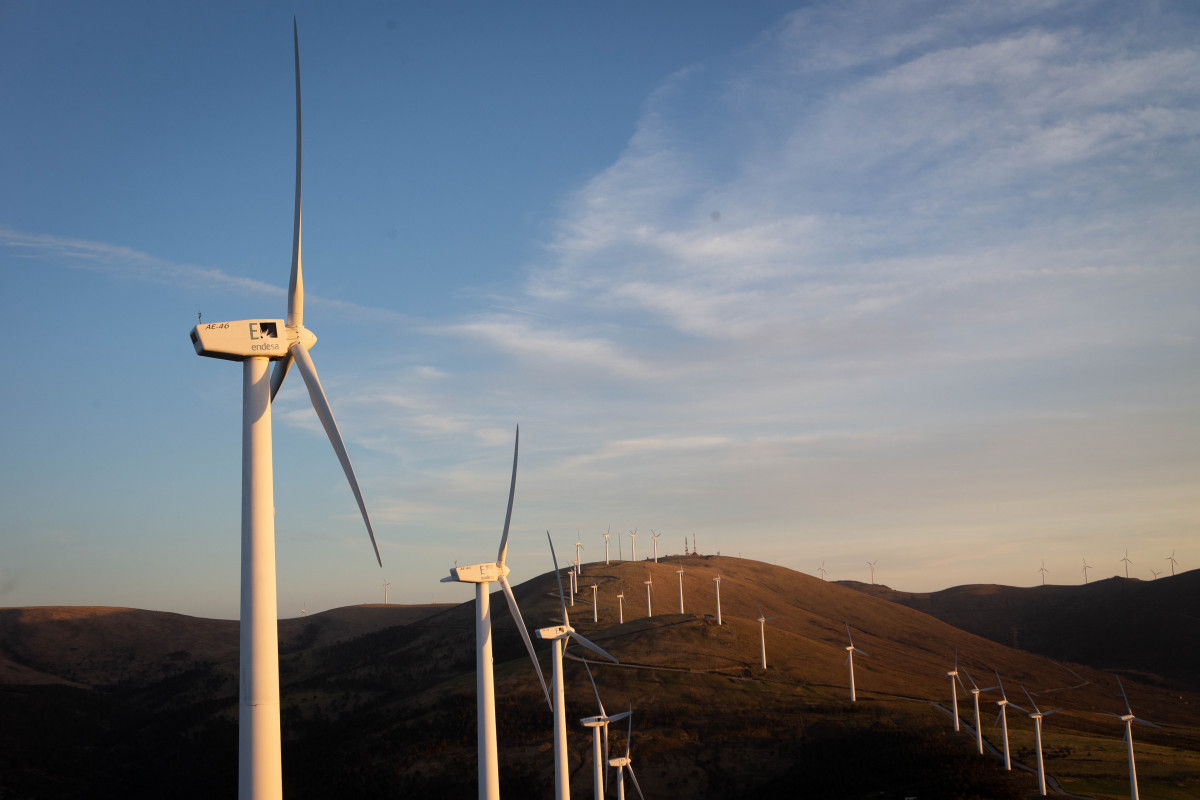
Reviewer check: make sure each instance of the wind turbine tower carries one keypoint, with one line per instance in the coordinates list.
(975, 690)
(621, 607)
(483, 575)
(578, 546)
(953, 676)
(654, 537)
(606, 535)
(1036, 715)
(595, 607)
(633, 545)
(256, 343)
(1086, 567)
(1004, 703)
(385, 588)
(1127, 563)
(850, 651)
(1043, 570)
(871, 564)
(680, 572)
(717, 581)
(649, 587)
(822, 570)
(1174, 563)
(559, 635)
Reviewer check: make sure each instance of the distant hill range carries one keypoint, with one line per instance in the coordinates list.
(1151, 627)
(379, 701)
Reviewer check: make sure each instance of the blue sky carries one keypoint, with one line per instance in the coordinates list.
(910, 282)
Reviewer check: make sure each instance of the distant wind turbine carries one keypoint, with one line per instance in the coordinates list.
(1043, 570)
(385, 588)
(1086, 567)
(633, 545)
(1036, 715)
(1155, 573)
(871, 564)
(578, 546)
(255, 343)
(953, 676)
(822, 570)
(483, 576)
(559, 635)
(1174, 563)
(606, 535)
(621, 606)
(595, 607)
(850, 651)
(649, 587)
(654, 537)
(680, 572)
(717, 580)
(1128, 718)
(762, 630)
(1127, 563)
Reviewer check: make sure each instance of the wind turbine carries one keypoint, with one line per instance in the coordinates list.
(1156, 573)
(625, 763)
(649, 587)
(872, 565)
(621, 606)
(1043, 570)
(850, 651)
(595, 607)
(1002, 717)
(255, 343)
(385, 588)
(762, 630)
(606, 535)
(953, 676)
(822, 570)
(654, 537)
(559, 636)
(680, 572)
(1086, 567)
(1036, 715)
(1127, 563)
(1174, 563)
(633, 544)
(483, 575)
(1128, 718)
(578, 546)
(598, 723)
(975, 690)
(717, 580)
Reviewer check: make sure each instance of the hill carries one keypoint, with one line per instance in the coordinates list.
(393, 711)
(1151, 627)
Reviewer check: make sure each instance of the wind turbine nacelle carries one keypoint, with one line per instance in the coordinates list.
(556, 632)
(478, 573)
(248, 338)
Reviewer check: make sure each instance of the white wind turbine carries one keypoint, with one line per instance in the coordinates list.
(559, 635)
(1036, 715)
(953, 676)
(1156, 573)
(871, 564)
(822, 570)
(633, 545)
(680, 572)
(1128, 718)
(649, 588)
(717, 581)
(654, 537)
(255, 343)
(1086, 567)
(850, 651)
(626, 763)
(606, 535)
(598, 723)
(1127, 563)
(385, 588)
(975, 690)
(595, 607)
(578, 546)
(621, 606)
(1174, 563)
(1002, 718)
(483, 575)
(762, 630)
(1043, 570)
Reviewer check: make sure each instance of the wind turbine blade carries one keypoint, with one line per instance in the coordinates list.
(562, 597)
(1000, 684)
(278, 373)
(516, 615)
(757, 608)
(972, 680)
(512, 488)
(1123, 695)
(629, 732)
(321, 404)
(295, 315)
(594, 647)
(1145, 722)
(1035, 708)
(1018, 708)
(633, 775)
(594, 689)
(860, 651)
(619, 717)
